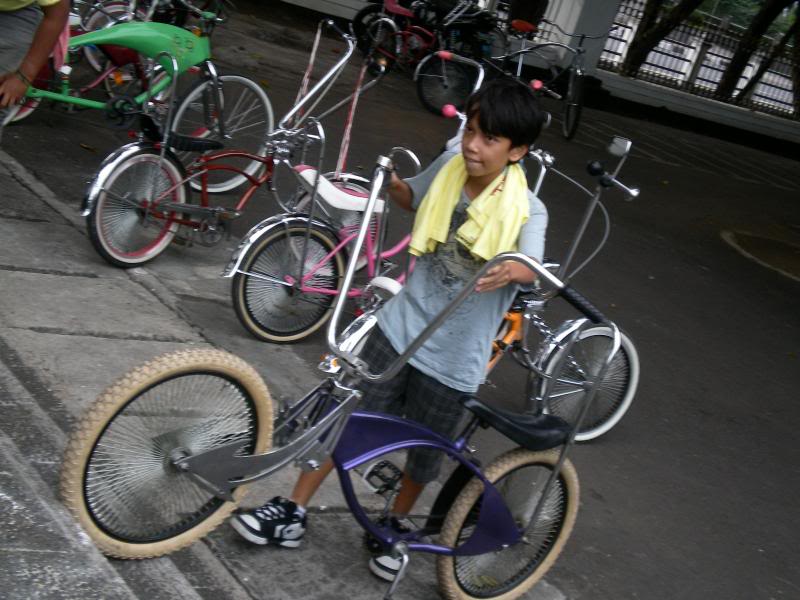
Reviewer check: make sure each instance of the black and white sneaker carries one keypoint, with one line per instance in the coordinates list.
(383, 564)
(280, 521)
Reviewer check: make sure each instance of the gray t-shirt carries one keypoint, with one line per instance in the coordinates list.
(458, 352)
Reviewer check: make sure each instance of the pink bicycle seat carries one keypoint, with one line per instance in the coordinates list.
(341, 198)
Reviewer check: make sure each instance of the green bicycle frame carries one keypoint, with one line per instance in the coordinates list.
(153, 40)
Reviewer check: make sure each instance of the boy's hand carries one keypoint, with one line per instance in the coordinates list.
(400, 192)
(12, 89)
(503, 274)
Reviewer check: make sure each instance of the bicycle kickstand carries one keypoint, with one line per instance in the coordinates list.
(400, 551)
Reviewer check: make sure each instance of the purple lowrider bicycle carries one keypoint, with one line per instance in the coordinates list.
(163, 455)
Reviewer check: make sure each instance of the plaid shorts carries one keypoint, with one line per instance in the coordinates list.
(18, 27)
(413, 395)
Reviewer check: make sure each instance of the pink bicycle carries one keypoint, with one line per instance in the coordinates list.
(288, 270)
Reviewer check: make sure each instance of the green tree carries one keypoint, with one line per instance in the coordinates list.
(738, 11)
(657, 22)
(768, 12)
(796, 62)
(777, 50)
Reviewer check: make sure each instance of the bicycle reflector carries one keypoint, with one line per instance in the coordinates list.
(536, 85)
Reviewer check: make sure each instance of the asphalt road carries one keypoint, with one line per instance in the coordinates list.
(693, 495)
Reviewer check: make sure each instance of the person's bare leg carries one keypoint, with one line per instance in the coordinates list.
(308, 483)
(407, 496)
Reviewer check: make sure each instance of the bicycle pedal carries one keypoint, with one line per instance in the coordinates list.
(228, 214)
(382, 477)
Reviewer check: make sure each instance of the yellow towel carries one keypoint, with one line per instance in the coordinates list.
(494, 218)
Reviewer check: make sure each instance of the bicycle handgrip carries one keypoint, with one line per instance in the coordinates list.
(449, 111)
(332, 25)
(577, 300)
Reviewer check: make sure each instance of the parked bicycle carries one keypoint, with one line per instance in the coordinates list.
(192, 428)
(118, 72)
(442, 79)
(404, 36)
(287, 271)
(141, 196)
(617, 388)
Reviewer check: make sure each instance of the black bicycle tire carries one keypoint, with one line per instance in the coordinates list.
(573, 105)
(361, 22)
(242, 307)
(427, 86)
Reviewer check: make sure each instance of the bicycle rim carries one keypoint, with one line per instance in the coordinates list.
(520, 477)
(247, 119)
(118, 476)
(28, 106)
(614, 393)
(361, 22)
(442, 82)
(100, 16)
(280, 313)
(381, 40)
(128, 469)
(126, 224)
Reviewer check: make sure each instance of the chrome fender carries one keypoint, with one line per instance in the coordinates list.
(266, 226)
(110, 163)
(352, 339)
(422, 63)
(354, 336)
(554, 341)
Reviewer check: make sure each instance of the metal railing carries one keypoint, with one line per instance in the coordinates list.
(693, 58)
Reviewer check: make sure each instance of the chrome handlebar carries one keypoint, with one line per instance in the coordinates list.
(326, 79)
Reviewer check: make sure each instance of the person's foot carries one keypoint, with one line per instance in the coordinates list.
(280, 522)
(383, 564)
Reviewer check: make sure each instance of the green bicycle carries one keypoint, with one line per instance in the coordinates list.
(230, 109)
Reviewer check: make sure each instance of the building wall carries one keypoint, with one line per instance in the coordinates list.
(337, 8)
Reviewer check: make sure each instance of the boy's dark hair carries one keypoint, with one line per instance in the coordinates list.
(505, 108)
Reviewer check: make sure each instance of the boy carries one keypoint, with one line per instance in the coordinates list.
(470, 207)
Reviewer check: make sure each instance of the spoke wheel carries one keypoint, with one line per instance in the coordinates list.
(520, 476)
(361, 23)
(441, 82)
(26, 108)
(247, 118)
(614, 393)
(126, 225)
(382, 41)
(269, 307)
(119, 478)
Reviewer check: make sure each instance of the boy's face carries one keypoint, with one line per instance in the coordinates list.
(486, 155)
